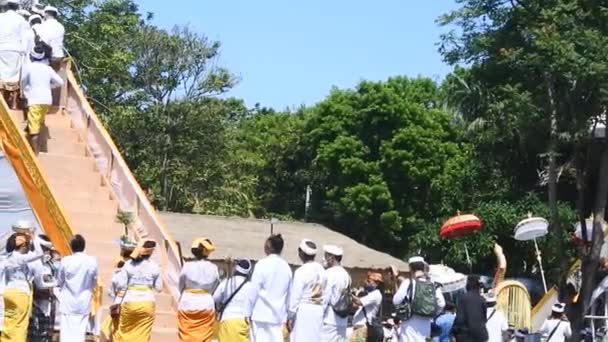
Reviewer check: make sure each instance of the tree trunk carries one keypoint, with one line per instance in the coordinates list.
(552, 185)
(591, 260)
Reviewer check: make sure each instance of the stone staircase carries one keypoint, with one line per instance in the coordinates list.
(90, 206)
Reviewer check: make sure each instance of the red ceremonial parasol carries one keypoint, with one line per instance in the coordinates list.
(461, 225)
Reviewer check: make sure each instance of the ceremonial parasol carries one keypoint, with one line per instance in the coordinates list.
(533, 228)
(578, 231)
(461, 225)
(449, 279)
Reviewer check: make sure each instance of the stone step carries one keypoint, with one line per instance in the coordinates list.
(95, 203)
(67, 165)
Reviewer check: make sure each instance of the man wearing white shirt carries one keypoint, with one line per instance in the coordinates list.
(305, 310)
(51, 31)
(77, 280)
(271, 280)
(12, 46)
(496, 324)
(42, 318)
(417, 327)
(233, 298)
(38, 80)
(336, 296)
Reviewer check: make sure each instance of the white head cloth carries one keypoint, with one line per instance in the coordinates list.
(243, 270)
(415, 259)
(22, 225)
(51, 9)
(333, 250)
(558, 308)
(306, 248)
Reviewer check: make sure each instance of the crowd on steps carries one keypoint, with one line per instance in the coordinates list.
(45, 297)
(31, 51)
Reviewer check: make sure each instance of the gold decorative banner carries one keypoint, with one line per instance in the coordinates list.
(34, 183)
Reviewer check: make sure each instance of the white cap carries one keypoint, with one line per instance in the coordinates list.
(243, 270)
(490, 297)
(51, 9)
(308, 247)
(44, 243)
(333, 250)
(558, 308)
(415, 259)
(37, 55)
(22, 225)
(34, 16)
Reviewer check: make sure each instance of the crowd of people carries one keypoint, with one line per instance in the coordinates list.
(44, 293)
(31, 50)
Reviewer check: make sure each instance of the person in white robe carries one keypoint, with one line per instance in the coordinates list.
(44, 275)
(12, 42)
(234, 300)
(368, 306)
(197, 280)
(556, 328)
(336, 293)
(51, 31)
(305, 312)
(77, 280)
(497, 324)
(271, 280)
(416, 328)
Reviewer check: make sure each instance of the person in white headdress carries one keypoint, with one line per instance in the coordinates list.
(556, 328)
(51, 31)
(417, 327)
(496, 321)
(337, 297)
(305, 312)
(42, 320)
(38, 79)
(234, 301)
(271, 280)
(12, 43)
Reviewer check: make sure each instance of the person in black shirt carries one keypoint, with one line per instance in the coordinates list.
(470, 323)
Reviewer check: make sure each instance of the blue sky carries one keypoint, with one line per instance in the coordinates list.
(288, 53)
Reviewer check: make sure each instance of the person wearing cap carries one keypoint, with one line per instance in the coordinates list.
(116, 291)
(12, 46)
(270, 280)
(368, 306)
(38, 79)
(141, 278)
(234, 300)
(17, 289)
(42, 320)
(305, 311)
(51, 31)
(196, 308)
(556, 328)
(497, 323)
(77, 280)
(336, 295)
(416, 328)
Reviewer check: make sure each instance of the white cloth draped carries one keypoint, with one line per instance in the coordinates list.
(306, 302)
(198, 275)
(241, 304)
(271, 280)
(77, 280)
(266, 332)
(51, 32)
(338, 281)
(73, 327)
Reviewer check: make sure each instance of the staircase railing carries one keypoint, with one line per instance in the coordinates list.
(124, 186)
